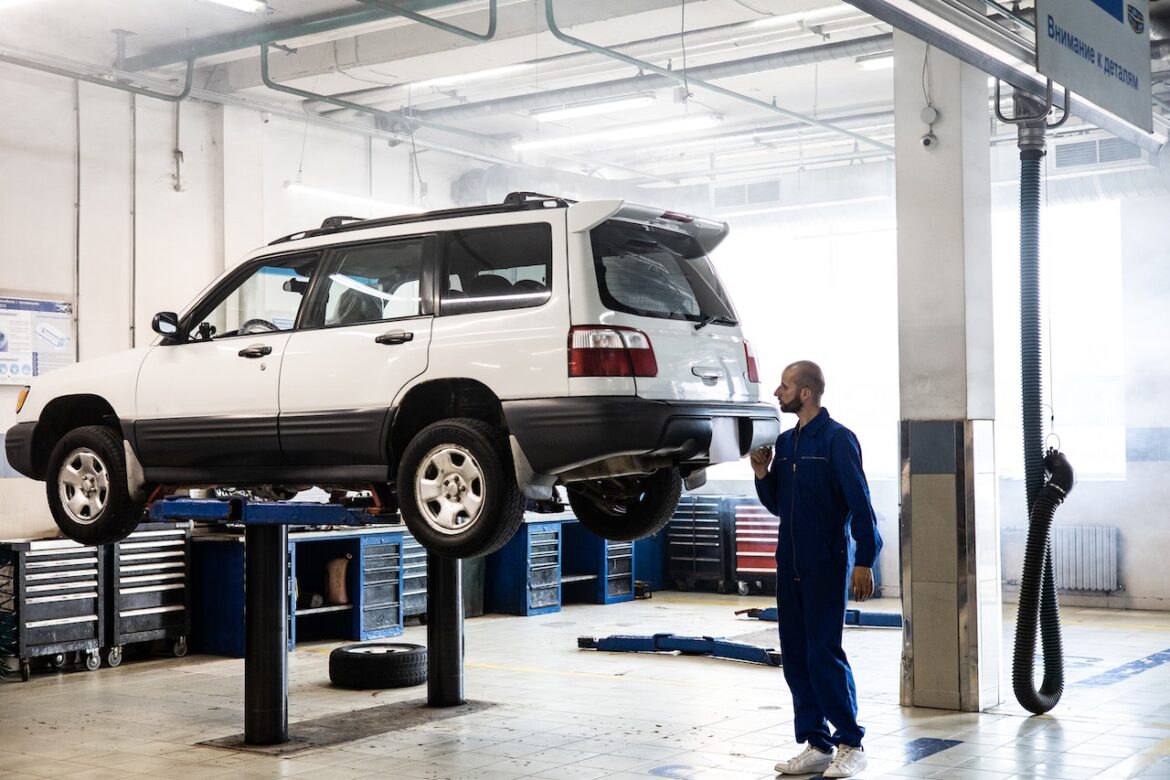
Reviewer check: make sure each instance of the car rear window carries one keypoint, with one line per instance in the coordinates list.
(654, 272)
(489, 269)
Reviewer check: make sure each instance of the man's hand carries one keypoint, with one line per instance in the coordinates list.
(861, 586)
(761, 458)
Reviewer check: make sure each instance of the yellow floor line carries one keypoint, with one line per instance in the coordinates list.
(1137, 764)
(592, 675)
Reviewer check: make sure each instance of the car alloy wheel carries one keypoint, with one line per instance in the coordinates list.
(84, 485)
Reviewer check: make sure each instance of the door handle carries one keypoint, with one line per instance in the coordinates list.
(255, 351)
(706, 373)
(395, 337)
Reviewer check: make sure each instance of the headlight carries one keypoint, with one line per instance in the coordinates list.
(20, 399)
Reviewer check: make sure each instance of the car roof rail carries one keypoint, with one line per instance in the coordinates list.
(332, 223)
(515, 201)
(530, 199)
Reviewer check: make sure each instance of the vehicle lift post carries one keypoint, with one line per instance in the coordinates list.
(266, 605)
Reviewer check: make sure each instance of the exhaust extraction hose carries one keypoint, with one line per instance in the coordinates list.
(1038, 607)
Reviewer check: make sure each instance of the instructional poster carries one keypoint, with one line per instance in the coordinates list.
(36, 336)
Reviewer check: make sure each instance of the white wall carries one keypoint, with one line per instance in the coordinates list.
(116, 151)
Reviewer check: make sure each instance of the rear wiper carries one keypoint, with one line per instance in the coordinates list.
(718, 318)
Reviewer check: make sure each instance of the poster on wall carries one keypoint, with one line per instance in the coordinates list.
(36, 336)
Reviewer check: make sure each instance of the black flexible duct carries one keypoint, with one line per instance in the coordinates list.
(1038, 597)
(1038, 604)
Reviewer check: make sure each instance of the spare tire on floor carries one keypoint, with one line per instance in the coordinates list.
(372, 665)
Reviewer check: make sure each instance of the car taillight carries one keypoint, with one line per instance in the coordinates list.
(610, 351)
(753, 372)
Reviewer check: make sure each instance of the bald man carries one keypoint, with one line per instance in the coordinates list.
(817, 488)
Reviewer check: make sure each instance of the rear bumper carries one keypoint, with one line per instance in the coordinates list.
(18, 447)
(558, 434)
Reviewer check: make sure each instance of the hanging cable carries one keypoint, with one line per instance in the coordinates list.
(682, 36)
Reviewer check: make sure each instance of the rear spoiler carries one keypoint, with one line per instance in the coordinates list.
(587, 215)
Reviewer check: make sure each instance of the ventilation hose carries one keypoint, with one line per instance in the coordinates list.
(1038, 607)
(1038, 603)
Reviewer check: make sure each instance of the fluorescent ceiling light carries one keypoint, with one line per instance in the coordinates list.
(876, 61)
(9, 3)
(815, 16)
(397, 208)
(624, 133)
(480, 75)
(589, 109)
(250, 6)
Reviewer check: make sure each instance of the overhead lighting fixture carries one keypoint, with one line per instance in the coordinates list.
(248, 6)
(804, 18)
(883, 61)
(624, 133)
(356, 200)
(9, 3)
(479, 75)
(574, 110)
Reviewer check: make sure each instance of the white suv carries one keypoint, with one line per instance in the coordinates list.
(456, 363)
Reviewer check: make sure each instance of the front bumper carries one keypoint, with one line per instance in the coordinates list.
(558, 434)
(18, 447)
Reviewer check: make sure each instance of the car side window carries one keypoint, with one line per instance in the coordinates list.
(488, 269)
(266, 299)
(375, 282)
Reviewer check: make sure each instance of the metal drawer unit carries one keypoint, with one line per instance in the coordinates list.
(699, 544)
(524, 576)
(52, 591)
(381, 585)
(755, 547)
(414, 577)
(148, 592)
(595, 570)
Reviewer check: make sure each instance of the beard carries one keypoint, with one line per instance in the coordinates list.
(792, 407)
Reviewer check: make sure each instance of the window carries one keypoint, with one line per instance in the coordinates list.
(266, 299)
(654, 272)
(486, 269)
(376, 282)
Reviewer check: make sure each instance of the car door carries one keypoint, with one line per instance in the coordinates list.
(208, 402)
(372, 313)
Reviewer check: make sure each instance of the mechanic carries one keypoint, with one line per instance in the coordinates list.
(817, 488)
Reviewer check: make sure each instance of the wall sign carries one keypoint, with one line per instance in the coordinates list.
(36, 336)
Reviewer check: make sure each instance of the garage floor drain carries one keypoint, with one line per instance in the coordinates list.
(350, 726)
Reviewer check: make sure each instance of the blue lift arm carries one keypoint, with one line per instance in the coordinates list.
(686, 645)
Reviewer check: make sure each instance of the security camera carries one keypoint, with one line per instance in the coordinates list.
(928, 141)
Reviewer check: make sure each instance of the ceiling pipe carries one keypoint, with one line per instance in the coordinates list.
(119, 82)
(877, 44)
(685, 78)
(267, 33)
(396, 8)
(390, 119)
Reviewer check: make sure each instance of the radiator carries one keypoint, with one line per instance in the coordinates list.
(1085, 557)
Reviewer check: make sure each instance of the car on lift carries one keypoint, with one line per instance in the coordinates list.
(456, 363)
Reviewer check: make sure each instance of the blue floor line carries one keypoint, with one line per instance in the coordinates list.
(1130, 669)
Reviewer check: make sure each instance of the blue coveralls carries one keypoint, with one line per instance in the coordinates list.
(818, 490)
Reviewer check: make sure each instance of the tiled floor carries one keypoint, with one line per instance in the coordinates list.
(565, 713)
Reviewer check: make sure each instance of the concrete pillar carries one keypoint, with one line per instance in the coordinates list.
(951, 655)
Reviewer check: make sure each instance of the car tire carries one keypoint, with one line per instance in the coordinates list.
(619, 520)
(457, 491)
(86, 487)
(377, 665)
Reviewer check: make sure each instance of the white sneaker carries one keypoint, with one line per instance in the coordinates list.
(848, 762)
(809, 762)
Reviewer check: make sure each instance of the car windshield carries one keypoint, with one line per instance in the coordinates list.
(655, 272)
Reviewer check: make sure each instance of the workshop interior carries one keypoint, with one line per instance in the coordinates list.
(487, 389)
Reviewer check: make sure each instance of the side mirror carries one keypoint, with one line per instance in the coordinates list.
(165, 323)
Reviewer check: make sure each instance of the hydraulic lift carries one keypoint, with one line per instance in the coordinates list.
(266, 604)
